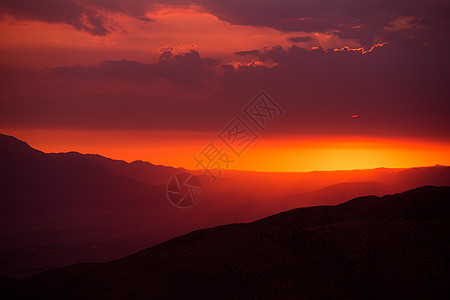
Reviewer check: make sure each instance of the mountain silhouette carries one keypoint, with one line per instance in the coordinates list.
(139, 170)
(36, 181)
(57, 209)
(395, 246)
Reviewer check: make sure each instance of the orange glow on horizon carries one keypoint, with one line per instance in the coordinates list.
(287, 154)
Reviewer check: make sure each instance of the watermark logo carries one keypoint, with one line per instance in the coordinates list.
(262, 110)
(184, 190)
(237, 136)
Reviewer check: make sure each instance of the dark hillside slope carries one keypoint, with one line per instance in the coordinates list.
(368, 248)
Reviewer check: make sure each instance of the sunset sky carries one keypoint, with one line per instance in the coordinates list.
(361, 84)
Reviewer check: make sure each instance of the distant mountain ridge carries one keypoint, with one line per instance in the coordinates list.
(396, 246)
(64, 201)
(138, 170)
(33, 180)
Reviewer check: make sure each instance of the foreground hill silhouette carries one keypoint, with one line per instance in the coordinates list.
(395, 246)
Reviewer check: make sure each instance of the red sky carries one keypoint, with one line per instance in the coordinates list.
(362, 85)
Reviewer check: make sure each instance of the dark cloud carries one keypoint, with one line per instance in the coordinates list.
(185, 68)
(363, 20)
(145, 19)
(367, 21)
(62, 11)
(396, 90)
(81, 14)
(133, 8)
(248, 53)
(299, 39)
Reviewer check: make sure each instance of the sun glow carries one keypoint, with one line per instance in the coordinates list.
(288, 154)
